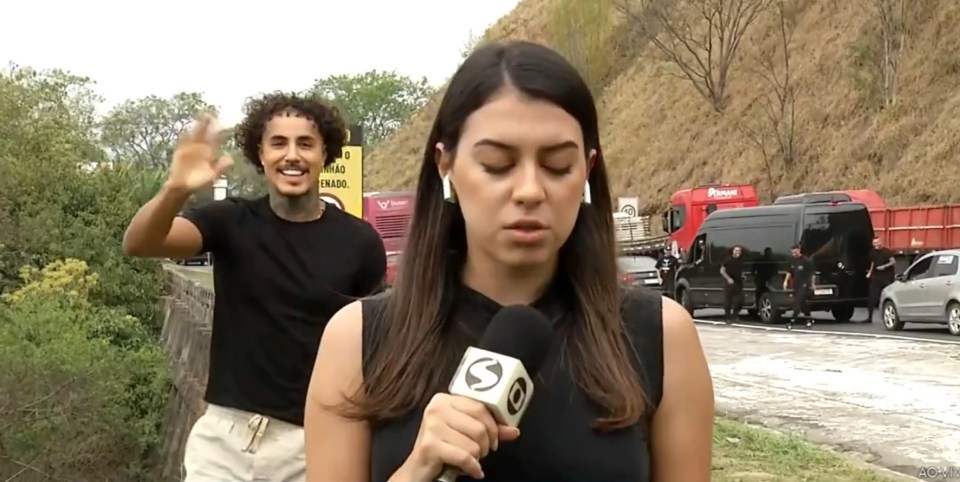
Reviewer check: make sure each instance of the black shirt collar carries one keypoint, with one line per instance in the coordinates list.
(474, 305)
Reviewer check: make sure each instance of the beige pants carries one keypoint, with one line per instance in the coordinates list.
(232, 445)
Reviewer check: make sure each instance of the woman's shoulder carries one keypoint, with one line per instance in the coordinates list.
(373, 309)
(642, 309)
(642, 312)
(358, 319)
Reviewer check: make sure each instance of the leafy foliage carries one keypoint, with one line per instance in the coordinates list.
(84, 379)
(67, 280)
(381, 101)
(146, 130)
(83, 387)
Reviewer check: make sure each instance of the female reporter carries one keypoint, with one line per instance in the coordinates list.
(512, 207)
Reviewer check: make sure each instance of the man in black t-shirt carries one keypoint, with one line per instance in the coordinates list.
(732, 272)
(801, 278)
(285, 263)
(880, 274)
(667, 271)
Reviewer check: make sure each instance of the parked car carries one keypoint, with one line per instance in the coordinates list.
(927, 292)
(639, 271)
(201, 259)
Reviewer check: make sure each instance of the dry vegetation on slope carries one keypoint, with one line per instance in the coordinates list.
(849, 131)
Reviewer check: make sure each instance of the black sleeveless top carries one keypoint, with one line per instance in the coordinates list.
(557, 440)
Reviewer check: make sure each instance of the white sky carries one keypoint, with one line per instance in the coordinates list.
(231, 50)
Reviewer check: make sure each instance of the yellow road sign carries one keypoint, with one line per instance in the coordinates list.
(341, 183)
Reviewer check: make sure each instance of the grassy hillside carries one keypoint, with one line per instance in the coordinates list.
(660, 134)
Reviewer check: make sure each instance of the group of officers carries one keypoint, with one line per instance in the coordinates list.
(799, 279)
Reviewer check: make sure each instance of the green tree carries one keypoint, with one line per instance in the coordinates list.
(244, 179)
(46, 134)
(83, 384)
(146, 130)
(83, 387)
(379, 100)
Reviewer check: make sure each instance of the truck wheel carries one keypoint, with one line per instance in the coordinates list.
(685, 300)
(842, 313)
(891, 319)
(767, 311)
(953, 318)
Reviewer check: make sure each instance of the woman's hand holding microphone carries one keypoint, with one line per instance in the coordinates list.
(456, 432)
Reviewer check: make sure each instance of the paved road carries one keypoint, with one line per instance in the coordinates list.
(896, 403)
(825, 323)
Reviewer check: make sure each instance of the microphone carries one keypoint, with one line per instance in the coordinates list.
(499, 371)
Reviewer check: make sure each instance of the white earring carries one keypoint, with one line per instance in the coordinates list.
(587, 197)
(447, 189)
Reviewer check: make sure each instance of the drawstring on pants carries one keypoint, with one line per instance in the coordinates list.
(257, 423)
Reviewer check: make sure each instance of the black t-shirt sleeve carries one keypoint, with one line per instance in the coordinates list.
(730, 267)
(212, 220)
(886, 255)
(373, 271)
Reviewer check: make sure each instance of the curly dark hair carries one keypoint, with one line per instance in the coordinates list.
(259, 111)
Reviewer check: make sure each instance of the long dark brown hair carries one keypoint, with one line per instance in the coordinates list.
(405, 368)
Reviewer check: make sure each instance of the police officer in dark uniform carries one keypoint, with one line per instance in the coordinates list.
(666, 267)
(880, 274)
(801, 273)
(732, 272)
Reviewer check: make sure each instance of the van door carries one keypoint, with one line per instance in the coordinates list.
(694, 272)
(837, 238)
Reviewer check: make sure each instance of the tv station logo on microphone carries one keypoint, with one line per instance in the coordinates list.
(498, 381)
(484, 374)
(517, 396)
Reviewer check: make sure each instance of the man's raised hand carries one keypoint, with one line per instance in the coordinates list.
(195, 163)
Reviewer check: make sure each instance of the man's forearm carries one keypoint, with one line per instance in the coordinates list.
(152, 222)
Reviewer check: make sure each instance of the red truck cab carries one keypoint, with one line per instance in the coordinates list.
(389, 213)
(689, 207)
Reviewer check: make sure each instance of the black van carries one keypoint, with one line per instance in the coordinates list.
(837, 236)
(814, 198)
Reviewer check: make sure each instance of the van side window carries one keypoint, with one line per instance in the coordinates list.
(697, 250)
(832, 236)
(721, 242)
